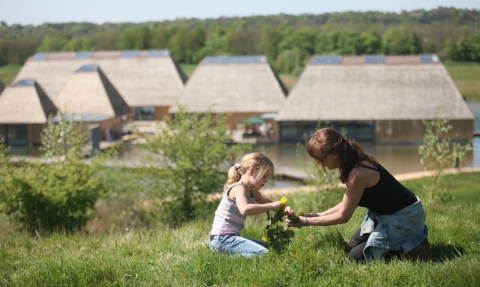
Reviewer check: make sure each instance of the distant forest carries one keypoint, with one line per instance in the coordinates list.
(287, 40)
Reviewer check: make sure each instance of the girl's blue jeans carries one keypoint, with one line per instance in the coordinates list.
(237, 245)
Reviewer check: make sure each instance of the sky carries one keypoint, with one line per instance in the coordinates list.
(36, 12)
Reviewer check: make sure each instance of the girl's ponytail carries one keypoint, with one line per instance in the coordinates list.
(233, 176)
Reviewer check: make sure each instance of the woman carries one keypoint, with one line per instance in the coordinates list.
(395, 221)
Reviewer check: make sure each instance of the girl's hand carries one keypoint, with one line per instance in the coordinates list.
(276, 205)
(289, 211)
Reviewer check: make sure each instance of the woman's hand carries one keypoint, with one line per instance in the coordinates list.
(300, 223)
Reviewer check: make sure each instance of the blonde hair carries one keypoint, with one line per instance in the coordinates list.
(257, 160)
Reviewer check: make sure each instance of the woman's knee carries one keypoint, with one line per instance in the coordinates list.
(357, 253)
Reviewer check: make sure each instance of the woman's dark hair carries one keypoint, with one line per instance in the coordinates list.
(328, 141)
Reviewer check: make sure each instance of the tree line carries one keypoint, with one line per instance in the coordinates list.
(288, 41)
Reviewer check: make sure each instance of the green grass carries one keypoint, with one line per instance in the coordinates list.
(466, 76)
(188, 69)
(8, 73)
(180, 257)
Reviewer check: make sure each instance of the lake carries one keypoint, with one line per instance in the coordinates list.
(397, 159)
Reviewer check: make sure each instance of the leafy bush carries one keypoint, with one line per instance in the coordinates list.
(277, 236)
(191, 153)
(57, 194)
(438, 151)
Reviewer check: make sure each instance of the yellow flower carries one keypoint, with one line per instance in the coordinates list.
(301, 213)
(283, 200)
(266, 239)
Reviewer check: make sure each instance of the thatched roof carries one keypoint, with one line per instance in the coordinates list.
(373, 87)
(143, 78)
(25, 102)
(88, 91)
(238, 84)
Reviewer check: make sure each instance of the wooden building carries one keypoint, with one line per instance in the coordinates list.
(149, 81)
(89, 94)
(377, 98)
(24, 112)
(242, 86)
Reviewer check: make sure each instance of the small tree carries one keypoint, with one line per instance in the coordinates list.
(192, 151)
(55, 195)
(439, 152)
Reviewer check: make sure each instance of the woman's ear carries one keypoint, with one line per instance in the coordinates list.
(251, 171)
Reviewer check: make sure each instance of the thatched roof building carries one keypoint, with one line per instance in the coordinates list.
(88, 91)
(146, 78)
(375, 97)
(240, 85)
(25, 102)
(24, 112)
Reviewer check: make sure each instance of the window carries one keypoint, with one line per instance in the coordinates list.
(144, 113)
(3, 131)
(364, 130)
(288, 131)
(17, 134)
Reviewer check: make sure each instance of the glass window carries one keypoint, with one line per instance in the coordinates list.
(144, 113)
(326, 60)
(88, 68)
(346, 128)
(130, 53)
(288, 131)
(158, 53)
(307, 129)
(365, 130)
(3, 131)
(234, 59)
(17, 134)
(374, 59)
(84, 54)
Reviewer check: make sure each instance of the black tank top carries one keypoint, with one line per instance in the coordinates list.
(387, 196)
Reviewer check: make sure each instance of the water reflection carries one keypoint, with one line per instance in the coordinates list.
(396, 158)
(25, 151)
(475, 108)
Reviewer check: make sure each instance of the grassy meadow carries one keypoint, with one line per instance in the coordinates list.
(466, 77)
(8, 73)
(180, 257)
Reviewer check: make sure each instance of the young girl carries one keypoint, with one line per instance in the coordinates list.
(241, 191)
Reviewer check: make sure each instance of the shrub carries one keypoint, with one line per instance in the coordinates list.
(57, 194)
(191, 152)
(439, 152)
